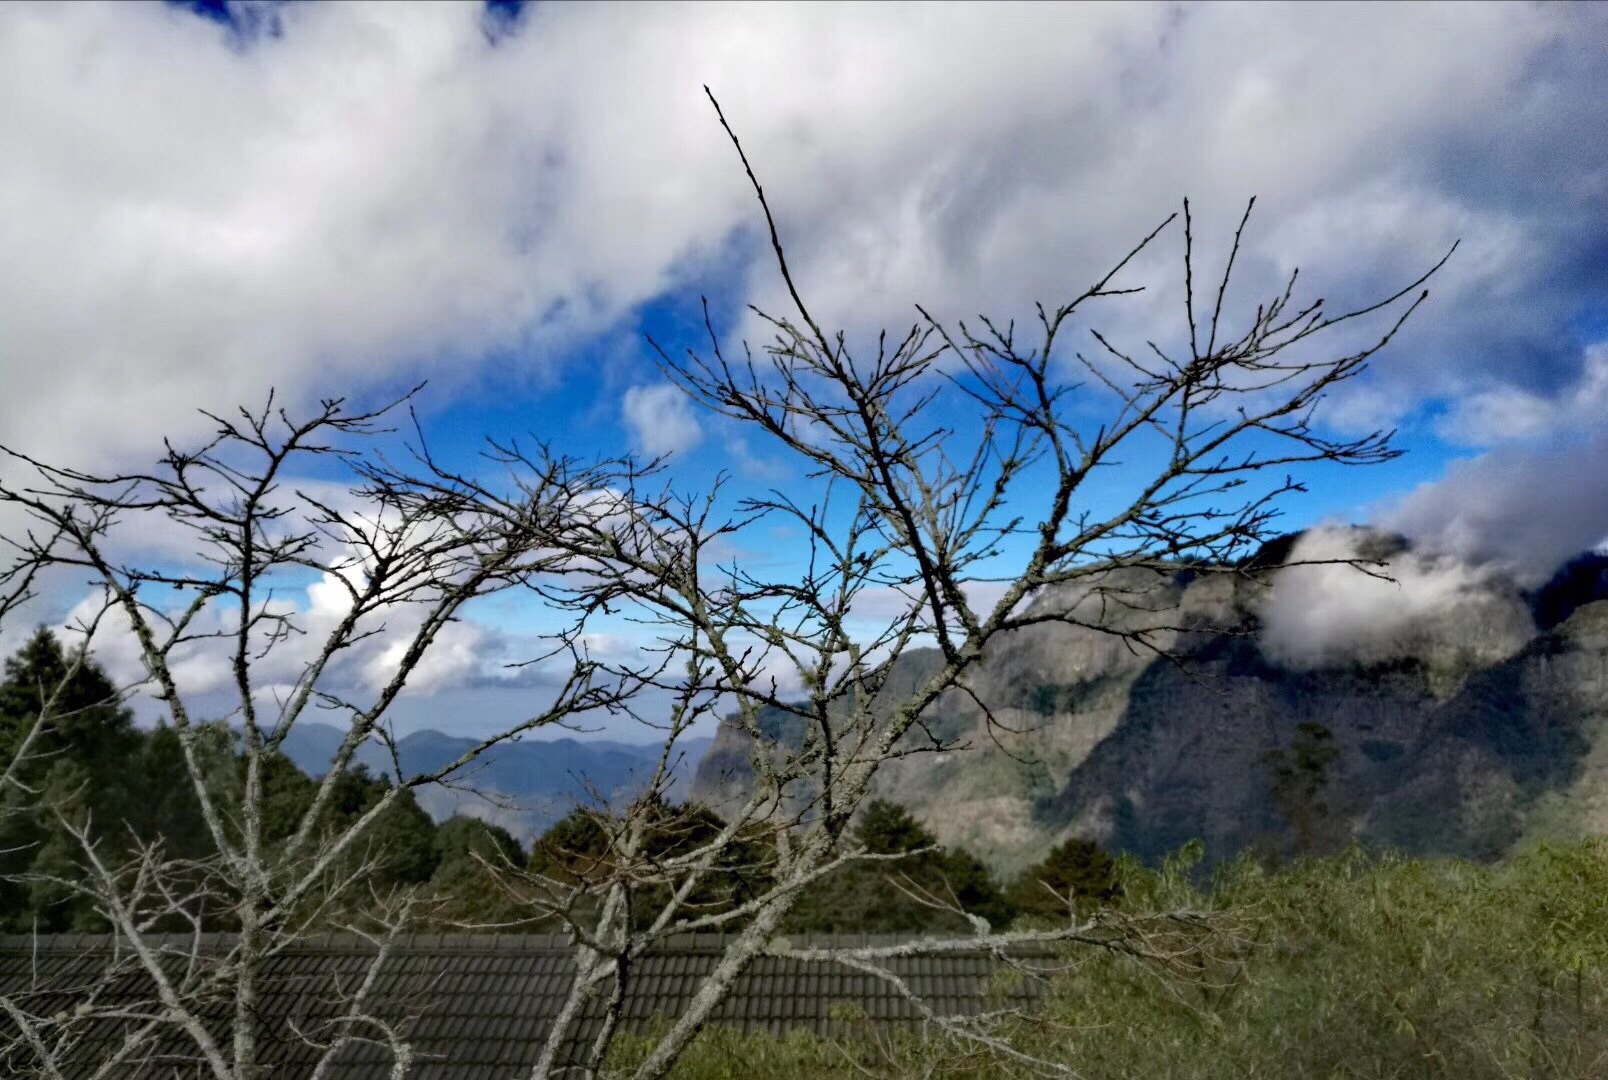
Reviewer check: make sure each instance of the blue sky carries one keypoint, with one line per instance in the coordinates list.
(211, 199)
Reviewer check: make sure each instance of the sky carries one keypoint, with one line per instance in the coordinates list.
(199, 202)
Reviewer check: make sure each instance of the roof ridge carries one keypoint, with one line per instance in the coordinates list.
(433, 941)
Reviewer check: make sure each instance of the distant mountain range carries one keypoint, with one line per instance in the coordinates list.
(1468, 722)
(1467, 716)
(528, 785)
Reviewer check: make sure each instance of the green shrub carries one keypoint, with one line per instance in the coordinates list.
(1353, 966)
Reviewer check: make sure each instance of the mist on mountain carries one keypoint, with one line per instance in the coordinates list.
(1459, 711)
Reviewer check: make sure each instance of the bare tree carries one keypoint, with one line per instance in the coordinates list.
(235, 538)
(977, 529)
(943, 483)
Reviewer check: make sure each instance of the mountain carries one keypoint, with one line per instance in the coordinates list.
(1451, 711)
(524, 786)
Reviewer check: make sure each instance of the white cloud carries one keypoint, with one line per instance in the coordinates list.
(1538, 498)
(379, 191)
(660, 419)
(464, 652)
(468, 652)
(1322, 615)
(1525, 510)
(1507, 414)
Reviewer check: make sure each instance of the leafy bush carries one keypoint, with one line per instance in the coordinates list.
(1353, 966)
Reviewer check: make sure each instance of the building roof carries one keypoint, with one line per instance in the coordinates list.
(476, 1006)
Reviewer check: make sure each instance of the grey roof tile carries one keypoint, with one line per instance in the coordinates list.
(480, 1006)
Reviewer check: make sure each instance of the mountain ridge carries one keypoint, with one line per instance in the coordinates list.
(528, 784)
(1469, 715)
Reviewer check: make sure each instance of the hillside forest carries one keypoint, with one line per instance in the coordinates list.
(97, 765)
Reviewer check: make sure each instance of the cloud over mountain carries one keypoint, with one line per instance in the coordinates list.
(342, 198)
(1329, 613)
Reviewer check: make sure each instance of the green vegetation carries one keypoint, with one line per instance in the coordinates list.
(1300, 777)
(1351, 966)
(133, 787)
(899, 896)
(81, 764)
(1076, 874)
(1346, 967)
(581, 848)
(134, 790)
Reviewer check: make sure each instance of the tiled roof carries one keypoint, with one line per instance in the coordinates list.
(476, 1006)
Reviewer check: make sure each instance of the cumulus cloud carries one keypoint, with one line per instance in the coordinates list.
(466, 652)
(1539, 498)
(660, 419)
(1506, 414)
(1326, 615)
(469, 652)
(1524, 509)
(379, 191)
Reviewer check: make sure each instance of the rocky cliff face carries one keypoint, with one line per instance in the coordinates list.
(1429, 713)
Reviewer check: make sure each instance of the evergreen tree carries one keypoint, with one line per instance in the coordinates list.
(396, 849)
(1301, 774)
(463, 837)
(168, 807)
(462, 887)
(570, 848)
(80, 765)
(581, 847)
(1078, 871)
(87, 717)
(886, 828)
(885, 896)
